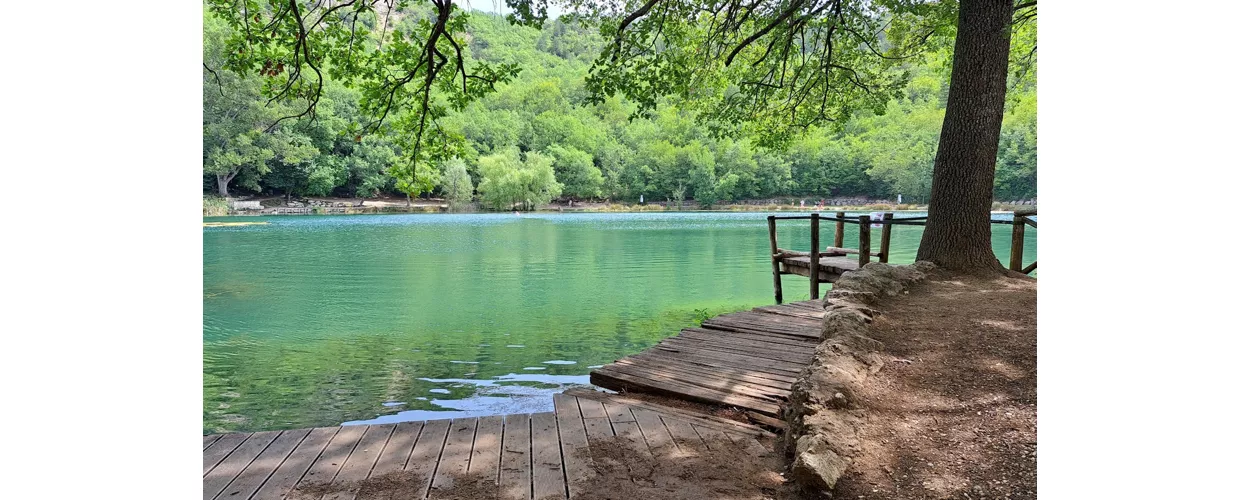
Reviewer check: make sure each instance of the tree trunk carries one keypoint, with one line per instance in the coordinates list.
(221, 180)
(957, 235)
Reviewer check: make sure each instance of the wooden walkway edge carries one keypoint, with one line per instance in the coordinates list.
(538, 455)
(746, 360)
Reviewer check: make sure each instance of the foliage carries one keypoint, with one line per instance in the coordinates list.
(508, 182)
(457, 186)
(652, 144)
(213, 206)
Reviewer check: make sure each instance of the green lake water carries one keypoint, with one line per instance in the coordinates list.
(323, 320)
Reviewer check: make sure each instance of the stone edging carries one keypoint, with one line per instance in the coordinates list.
(822, 417)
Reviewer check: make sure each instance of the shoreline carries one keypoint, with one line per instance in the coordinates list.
(350, 207)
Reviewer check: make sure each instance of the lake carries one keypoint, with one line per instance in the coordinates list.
(323, 320)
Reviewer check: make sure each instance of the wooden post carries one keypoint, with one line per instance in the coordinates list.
(1016, 261)
(839, 230)
(779, 289)
(863, 242)
(813, 256)
(884, 243)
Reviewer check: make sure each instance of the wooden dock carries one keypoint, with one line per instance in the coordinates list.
(530, 456)
(747, 360)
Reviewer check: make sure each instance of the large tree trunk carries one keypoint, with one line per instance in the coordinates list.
(957, 235)
(221, 181)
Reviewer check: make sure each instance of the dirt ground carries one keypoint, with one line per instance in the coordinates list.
(953, 412)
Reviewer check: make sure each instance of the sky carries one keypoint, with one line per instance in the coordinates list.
(497, 6)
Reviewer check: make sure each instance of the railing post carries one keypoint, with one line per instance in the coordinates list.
(779, 290)
(1016, 261)
(813, 256)
(884, 242)
(839, 230)
(863, 241)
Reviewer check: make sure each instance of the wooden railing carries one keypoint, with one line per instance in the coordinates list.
(863, 250)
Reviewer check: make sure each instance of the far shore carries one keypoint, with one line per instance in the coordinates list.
(354, 206)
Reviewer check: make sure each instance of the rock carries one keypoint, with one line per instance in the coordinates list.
(816, 465)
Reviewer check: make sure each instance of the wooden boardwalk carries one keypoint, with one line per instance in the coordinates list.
(748, 360)
(539, 455)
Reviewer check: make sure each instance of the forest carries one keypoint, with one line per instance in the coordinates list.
(539, 137)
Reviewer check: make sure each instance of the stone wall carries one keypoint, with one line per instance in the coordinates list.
(822, 416)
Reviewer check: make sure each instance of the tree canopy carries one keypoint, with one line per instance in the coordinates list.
(640, 142)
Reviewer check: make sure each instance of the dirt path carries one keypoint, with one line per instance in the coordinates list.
(953, 412)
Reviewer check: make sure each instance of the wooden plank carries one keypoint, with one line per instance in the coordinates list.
(779, 341)
(722, 385)
(714, 439)
(425, 455)
(398, 449)
(229, 468)
(548, 467)
(759, 350)
(791, 356)
(767, 325)
(839, 229)
(585, 396)
(297, 464)
(595, 418)
(263, 466)
(625, 425)
(208, 439)
(488, 440)
(683, 434)
(884, 242)
(711, 366)
(454, 461)
(791, 311)
(574, 445)
(515, 479)
(863, 241)
(360, 462)
(715, 358)
(220, 449)
(657, 438)
(779, 290)
(803, 334)
(756, 385)
(332, 458)
(748, 443)
(740, 375)
(757, 317)
(745, 344)
(767, 330)
(710, 351)
(813, 255)
(1016, 260)
(622, 381)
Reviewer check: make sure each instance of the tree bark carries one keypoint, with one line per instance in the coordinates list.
(221, 181)
(957, 235)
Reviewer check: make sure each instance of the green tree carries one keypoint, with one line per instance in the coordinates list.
(576, 171)
(507, 182)
(458, 188)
